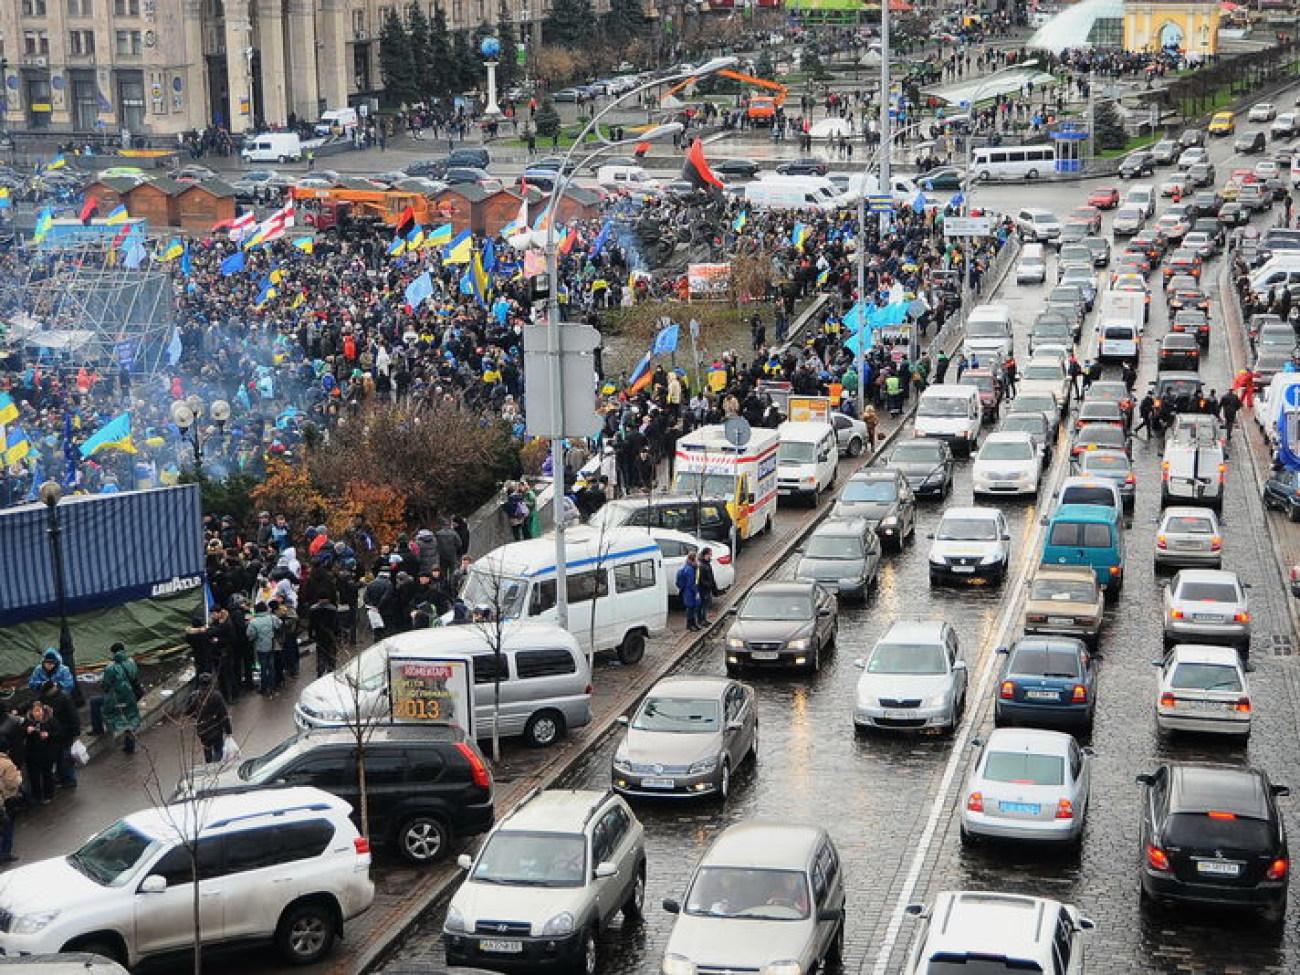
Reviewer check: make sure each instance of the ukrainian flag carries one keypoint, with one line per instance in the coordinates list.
(297, 302)
(16, 445)
(824, 276)
(459, 250)
(115, 434)
(58, 162)
(438, 236)
(799, 235)
(8, 409)
(305, 244)
(266, 294)
(173, 250)
(480, 279)
(43, 224)
(742, 218)
(5, 202)
(116, 216)
(415, 238)
(276, 275)
(396, 248)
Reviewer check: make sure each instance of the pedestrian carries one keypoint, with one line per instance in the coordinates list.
(11, 787)
(688, 587)
(1009, 377)
(290, 654)
(871, 420)
(1229, 407)
(963, 363)
(1076, 377)
(211, 716)
(42, 736)
(757, 331)
(68, 721)
(708, 584)
(121, 708)
(516, 512)
(262, 629)
(51, 668)
(1146, 410)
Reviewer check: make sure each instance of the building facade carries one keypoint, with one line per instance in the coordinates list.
(162, 67)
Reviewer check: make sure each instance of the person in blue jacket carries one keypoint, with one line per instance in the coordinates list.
(51, 668)
(688, 585)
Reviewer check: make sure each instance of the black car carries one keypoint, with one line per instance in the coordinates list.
(430, 168)
(554, 164)
(803, 167)
(926, 463)
(1234, 214)
(1282, 491)
(882, 497)
(1179, 350)
(942, 178)
(1213, 834)
(1137, 164)
(729, 169)
(425, 786)
(1248, 142)
(704, 516)
(471, 158)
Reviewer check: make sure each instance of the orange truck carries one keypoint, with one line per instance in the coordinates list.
(762, 109)
(335, 208)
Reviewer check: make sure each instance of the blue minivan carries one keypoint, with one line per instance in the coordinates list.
(1091, 535)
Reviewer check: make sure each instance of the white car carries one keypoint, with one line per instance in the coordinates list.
(1038, 226)
(1263, 112)
(677, 545)
(970, 543)
(1189, 536)
(1040, 935)
(1027, 784)
(1045, 373)
(1203, 689)
(1266, 169)
(1010, 462)
(850, 434)
(915, 678)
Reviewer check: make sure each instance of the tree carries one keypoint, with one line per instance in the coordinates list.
(625, 22)
(289, 490)
(765, 66)
(468, 65)
(547, 119)
(508, 68)
(397, 66)
(572, 23)
(1110, 133)
(811, 62)
(443, 78)
(422, 54)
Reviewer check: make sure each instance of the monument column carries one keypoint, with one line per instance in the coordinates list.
(270, 43)
(304, 93)
(239, 63)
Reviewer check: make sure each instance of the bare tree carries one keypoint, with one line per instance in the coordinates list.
(362, 720)
(488, 617)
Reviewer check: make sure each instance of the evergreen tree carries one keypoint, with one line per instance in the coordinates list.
(1110, 132)
(547, 119)
(508, 70)
(625, 22)
(765, 66)
(811, 61)
(572, 23)
(468, 64)
(444, 72)
(396, 66)
(421, 53)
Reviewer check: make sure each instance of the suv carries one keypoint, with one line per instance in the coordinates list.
(425, 786)
(705, 517)
(1213, 834)
(469, 158)
(283, 865)
(997, 932)
(549, 878)
(1137, 164)
(1037, 225)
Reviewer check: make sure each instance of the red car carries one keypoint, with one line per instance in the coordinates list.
(1104, 198)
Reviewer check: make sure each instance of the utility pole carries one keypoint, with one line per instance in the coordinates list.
(885, 130)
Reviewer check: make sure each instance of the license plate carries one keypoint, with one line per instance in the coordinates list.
(964, 569)
(897, 714)
(1207, 618)
(501, 947)
(1060, 620)
(765, 655)
(1020, 807)
(1219, 868)
(1207, 705)
(654, 783)
(1186, 544)
(1043, 695)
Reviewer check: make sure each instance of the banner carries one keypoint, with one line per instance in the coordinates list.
(708, 281)
(428, 690)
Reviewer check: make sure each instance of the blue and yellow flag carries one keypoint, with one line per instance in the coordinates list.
(266, 294)
(16, 445)
(173, 250)
(43, 224)
(305, 244)
(5, 202)
(460, 249)
(117, 215)
(58, 162)
(415, 238)
(115, 434)
(742, 218)
(799, 234)
(397, 247)
(438, 236)
(8, 409)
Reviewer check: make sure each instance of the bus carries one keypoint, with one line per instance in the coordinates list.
(1012, 162)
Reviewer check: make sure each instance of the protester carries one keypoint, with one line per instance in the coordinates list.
(207, 708)
(121, 708)
(42, 754)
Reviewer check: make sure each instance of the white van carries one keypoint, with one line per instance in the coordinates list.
(630, 179)
(545, 679)
(1283, 268)
(951, 413)
(1143, 197)
(1193, 469)
(807, 459)
(792, 193)
(989, 333)
(278, 147)
(1271, 403)
(342, 118)
(1031, 268)
(902, 189)
(1118, 340)
(618, 595)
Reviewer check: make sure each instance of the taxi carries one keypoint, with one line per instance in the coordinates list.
(1132, 282)
(1223, 123)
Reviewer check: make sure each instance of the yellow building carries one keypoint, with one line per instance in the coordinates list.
(1191, 27)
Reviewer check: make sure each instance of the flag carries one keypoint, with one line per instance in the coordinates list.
(115, 434)
(696, 168)
(174, 347)
(276, 275)
(120, 237)
(598, 244)
(43, 224)
(88, 208)
(187, 266)
(242, 226)
(5, 202)
(438, 236)
(117, 215)
(233, 264)
(480, 278)
(666, 339)
(415, 238)
(519, 223)
(297, 302)
(742, 218)
(16, 445)
(305, 244)
(543, 219)
(918, 202)
(534, 263)
(266, 293)
(135, 255)
(568, 237)
(957, 200)
(419, 290)
(58, 162)
(641, 375)
(824, 276)
(173, 250)
(396, 247)
(8, 409)
(459, 250)
(799, 234)
(406, 221)
(489, 256)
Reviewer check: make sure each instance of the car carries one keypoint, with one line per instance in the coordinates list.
(1269, 361)
(1190, 318)
(1132, 282)
(1083, 277)
(842, 555)
(1037, 225)
(1100, 436)
(1233, 214)
(1223, 123)
(1200, 243)
(1090, 215)
(676, 545)
(686, 739)
(1279, 336)
(426, 787)
(1104, 197)
(850, 434)
(1137, 164)
(1178, 350)
(1282, 491)
(1185, 260)
(884, 498)
(1007, 463)
(259, 183)
(1065, 600)
(1188, 299)
(970, 543)
(913, 679)
(549, 877)
(1038, 428)
(1043, 403)
(927, 464)
(1255, 197)
(1166, 152)
(942, 178)
(1114, 391)
(192, 174)
(970, 930)
(1284, 125)
(1189, 536)
(1152, 242)
(1173, 226)
(1203, 689)
(565, 95)
(765, 897)
(1045, 372)
(782, 624)
(803, 167)
(733, 169)
(1262, 112)
(1134, 259)
(1250, 142)
(1213, 834)
(286, 866)
(1127, 221)
(1100, 411)
(1100, 248)
(1050, 680)
(1266, 169)
(1028, 784)
(1206, 606)
(1177, 186)
(1202, 174)
(1050, 328)
(1072, 255)
(1191, 156)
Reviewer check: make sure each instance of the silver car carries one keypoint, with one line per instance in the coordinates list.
(1203, 689)
(914, 679)
(1206, 606)
(687, 738)
(1189, 536)
(1027, 784)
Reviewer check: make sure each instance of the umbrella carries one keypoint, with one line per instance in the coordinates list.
(831, 127)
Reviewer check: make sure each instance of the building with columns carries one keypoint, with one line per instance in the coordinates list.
(161, 67)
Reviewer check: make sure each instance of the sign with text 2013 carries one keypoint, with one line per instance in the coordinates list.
(428, 690)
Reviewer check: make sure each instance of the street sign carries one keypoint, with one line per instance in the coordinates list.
(879, 204)
(967, 226)
(1293, 395)
(737, 430)
(578, 344)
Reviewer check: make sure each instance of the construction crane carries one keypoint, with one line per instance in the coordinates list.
(761, 109)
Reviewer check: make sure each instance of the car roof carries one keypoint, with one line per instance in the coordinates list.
(1086, 512)
(1088, 480)
(1203, 653)
(177, 820)
(783, 588)
(555, 810)
(878, 474)
(1008, 436)
(1035, 740)
(765, 845)
(1208, 575)
(1080, 573)
(1200, 787)
(397, 734)
(691, 685)
(919, 631)
(972, 511)
(1187, 511)
(843, 526)
(988, 923)
(664, 500)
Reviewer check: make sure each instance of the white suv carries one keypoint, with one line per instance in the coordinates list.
(1038, 226)
(282, 865)
(1022, 933)
(549, 878)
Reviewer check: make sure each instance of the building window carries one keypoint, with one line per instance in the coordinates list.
(80, 8)
(482, 11)
(36, 43)
(126, 8)
(128, 42)
(359, 22)
(81, 43)
(457, 13)
(33, 8)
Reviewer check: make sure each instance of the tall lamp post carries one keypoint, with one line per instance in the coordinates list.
(186, 414)
(491, 50)
(566, 173)
(51, 493)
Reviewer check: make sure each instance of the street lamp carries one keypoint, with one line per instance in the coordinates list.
(186, 413)
(51, 493)
(565, 177)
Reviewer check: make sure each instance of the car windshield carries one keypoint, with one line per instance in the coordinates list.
(834, 547)
(1208, 592)
(1034, 423)
(902, 658)
(869, 490)
(505, 594)
(1045, 662)
(1024, 769)
(743, 892)
(516, 858)
(248, 769)
(1064, 590)
(949, 963)
(1043, 370)
(761, 606)
(1189, 525)
(1202, 831)
(800, 452)
(983, 383)
(1205, 677)
(367, 671)
(1007, 450)
(1127, 214)
(677, 715)
(943, 406)
(958, 529)
(111, 857)
(916, 453)
(985, 329)
(1123, 333)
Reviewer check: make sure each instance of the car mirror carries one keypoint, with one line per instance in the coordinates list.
(1085, 924)
(464, 861)
(671, 906)
(1089, 751)
(623, 719)
(1145, 778)
(823, 613)
(605, 869)
(1006, 538)
(1281, 790)
(860, 664)
(959, 665)
(930, 535)
(829, 914)
(914, 910)
(153, 884)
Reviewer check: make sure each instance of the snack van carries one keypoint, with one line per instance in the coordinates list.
(709, 464)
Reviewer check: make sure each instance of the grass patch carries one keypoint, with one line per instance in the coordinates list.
(628, 332)
(1137, 142)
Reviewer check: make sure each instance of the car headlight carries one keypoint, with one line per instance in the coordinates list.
(990, 558)
(800, 644)
(677, 965)
(735, 644)
(455, 922)
(704, 766)
(937, 700)
(890, 521)
(784, 967)
(562, 923)
(31, 923)
(621, 764)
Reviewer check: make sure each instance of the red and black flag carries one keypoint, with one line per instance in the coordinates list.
(406, 222)
(89, 207)
(696, 168)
